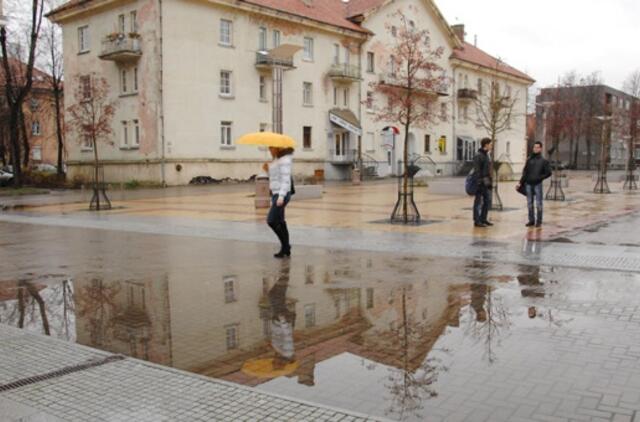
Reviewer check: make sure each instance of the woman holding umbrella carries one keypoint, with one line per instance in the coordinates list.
(280, 181)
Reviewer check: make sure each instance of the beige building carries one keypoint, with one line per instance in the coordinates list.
(192, 76)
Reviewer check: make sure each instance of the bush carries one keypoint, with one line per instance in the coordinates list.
(44, 180)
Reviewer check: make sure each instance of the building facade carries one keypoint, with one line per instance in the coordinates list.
(588, 117)
(190, 77)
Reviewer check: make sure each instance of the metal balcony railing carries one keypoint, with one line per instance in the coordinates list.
(345, 72)
(467, 94)
(121, 47)
(348, 156)
(263, 59)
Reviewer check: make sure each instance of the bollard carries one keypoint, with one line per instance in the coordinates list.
(355, 176)
(263, 196)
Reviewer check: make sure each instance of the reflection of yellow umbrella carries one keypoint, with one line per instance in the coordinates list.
(263, 368)
(267, 139)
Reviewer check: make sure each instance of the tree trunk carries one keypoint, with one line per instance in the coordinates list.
(25, 140)
(21, 307)
(56, 94)
(33, 291)
(14, 120)
(405, 181)
(589, 153)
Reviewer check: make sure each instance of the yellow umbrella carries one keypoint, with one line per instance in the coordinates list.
(265, 368)
(267, 139)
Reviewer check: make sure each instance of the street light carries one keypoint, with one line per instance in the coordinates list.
(602, 186)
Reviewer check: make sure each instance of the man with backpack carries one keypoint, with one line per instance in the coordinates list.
(536, 170)
(484, 182)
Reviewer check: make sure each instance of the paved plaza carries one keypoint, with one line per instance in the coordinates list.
(163, 309)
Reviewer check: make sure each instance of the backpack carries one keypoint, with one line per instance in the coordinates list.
(292, 191)
(471, 183)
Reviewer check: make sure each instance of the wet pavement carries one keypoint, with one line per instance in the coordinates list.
(487, 330)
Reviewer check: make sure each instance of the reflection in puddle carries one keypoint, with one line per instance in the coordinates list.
(376, 336)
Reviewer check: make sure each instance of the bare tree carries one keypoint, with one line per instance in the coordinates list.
(495, 108)
(591, 101)
(411, 92)
(19, 84)
(632, 87)
(90, 119)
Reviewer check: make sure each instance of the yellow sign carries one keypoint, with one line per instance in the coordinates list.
(442, 144)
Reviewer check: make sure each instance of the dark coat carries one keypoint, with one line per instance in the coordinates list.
(482, 168)
(536, 170)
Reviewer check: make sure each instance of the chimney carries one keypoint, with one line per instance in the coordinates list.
(458, 30)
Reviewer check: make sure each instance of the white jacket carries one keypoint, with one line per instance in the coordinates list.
(280, 171)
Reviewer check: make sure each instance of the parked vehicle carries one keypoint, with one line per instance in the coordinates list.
(45, 168)
(6, 178)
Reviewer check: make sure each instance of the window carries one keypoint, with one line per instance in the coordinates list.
(125, 134)
(263, 88)
(369, 298)
(346, 97)
(371, 141)
(121, 24)
(308, 49)
(508, 148)
(225, 83)
(308, 274)
(87, 143)
(136, 133)
(85, 83)
(427, 144)
(83, 39)
(392, 65)
(369, 101)
(262, 39)
(229, 289)
(443, 111)
(347, 56)
(263, 127)
(36, 153)
(466, 81)
(371, 62)
(226, 31)
(412, 25)
(232, 337)
(336, 53)
(306, 137)
(134, 21)
(35, 128)
(135, 79)
(309, 315)
(394, 31)
(276, 38)
(507, 91)
(34, 104)
(335, 96)
(123, 81)
(225, 133)
(465, 113)
(480, 83)
(307, 93)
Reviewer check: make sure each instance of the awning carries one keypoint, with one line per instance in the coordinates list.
(346, 119)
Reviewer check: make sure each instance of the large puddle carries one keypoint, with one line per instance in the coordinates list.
(404, 338)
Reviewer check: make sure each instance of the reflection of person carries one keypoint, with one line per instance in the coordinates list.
(282, 320)
(531, 284)
(536, 170)
(280, 184)
(482, 168)
(478, 299)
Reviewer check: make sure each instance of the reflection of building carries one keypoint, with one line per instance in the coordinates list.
(252, 63)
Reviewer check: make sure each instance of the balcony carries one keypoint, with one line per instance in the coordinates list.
(342, 157)
(264, 60)
(121, 47)
(345, 73)
(465, 94)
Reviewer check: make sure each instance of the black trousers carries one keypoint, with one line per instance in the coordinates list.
(482, 204)
(275, 220)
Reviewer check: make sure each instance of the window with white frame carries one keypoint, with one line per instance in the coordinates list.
(480, 83)
(263, 127)
(427, 144)
(308, 49)
(276, 38)
(36, 153)
(370, 298)
(133, 16)
(83, 39)
(122, 24)
(306, 137)
(225, 83)
(225, 133)
(443, 111)
(392, 65)
(136, 133)
(85, 84)
(231, 333)
(371, 141)
(309, 315)
(336, 53)
(369, 102)
(371, 62)
(465, 114)
(262, 39)
(226, 32)
(135, 79)
(263, 88)
(229, 289)
(335, 96)
(394, 31)
(35, 128)
(347, 56)
(123, 81)
(347, 97)
(87, 142)
(125, 134)
(307, 93)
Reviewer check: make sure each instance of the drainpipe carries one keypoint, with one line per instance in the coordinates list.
(360, 166)
(454, 114)
(161, 106)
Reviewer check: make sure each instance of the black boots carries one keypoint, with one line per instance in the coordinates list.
(281, 230)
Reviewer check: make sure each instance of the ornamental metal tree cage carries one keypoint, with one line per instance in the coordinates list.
(555, 192)
(99, 199)
(406, 211)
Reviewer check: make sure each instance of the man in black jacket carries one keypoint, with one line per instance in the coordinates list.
(482, 168)
(535, 172)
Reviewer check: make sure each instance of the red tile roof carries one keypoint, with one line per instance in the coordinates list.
(358, 7)
(471, 54)
(40, 78)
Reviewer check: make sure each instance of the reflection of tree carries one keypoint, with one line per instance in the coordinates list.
(532, 287)
(96, 306)
(488, 319)
(29, 309)
(411, 378)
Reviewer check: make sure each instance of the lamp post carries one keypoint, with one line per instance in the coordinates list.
(602, 186)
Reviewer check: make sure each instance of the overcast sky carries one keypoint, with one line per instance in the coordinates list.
(546, 38)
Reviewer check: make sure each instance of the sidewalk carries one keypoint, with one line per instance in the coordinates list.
(47, 380)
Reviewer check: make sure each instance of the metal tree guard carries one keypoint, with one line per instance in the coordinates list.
(630, 175)
(555, 192)
(496, 200)
(99, 199)
(406, 211)
(602, 185)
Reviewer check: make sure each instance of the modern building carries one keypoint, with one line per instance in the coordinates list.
(190, 77)
(587, 117)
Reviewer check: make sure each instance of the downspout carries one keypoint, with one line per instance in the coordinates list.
(454, 114)
(360, 166)
(161, 106)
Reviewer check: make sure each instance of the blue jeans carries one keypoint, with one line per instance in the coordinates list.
(482, 204)
(534, 193)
